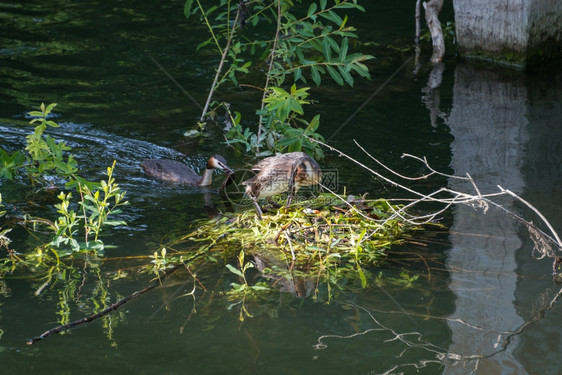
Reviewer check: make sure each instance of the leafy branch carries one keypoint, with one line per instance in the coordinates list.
(302, 48)
(98, 201)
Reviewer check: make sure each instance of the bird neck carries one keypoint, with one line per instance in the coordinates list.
(207, 178)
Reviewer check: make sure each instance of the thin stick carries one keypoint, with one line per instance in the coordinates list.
(382, 86)
(106, 311)
(417, 38)
(268, 75)
(290, 245)
(219, 69)
(479, 200)
(175, 82)
(418, 28)
(509, 192)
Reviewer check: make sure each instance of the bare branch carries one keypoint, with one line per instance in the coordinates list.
(545, 245)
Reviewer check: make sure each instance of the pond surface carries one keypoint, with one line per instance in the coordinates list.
(483, 303)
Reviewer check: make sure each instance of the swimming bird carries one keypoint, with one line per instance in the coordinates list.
(282, 173)
(171, 170)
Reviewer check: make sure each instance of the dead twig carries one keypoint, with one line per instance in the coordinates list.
(113, 307)
(545, 244)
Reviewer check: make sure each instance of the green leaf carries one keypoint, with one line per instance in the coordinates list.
(293, 89)
(50, 108)
(211, 10)
(298, 75)
(296, 146)
(333, 44)
(343, 50)
(284, 142)
(361, 69)
(260, 287)
(187, 8)
(350, 5)
(313, 124)
(335, 75)
(344, 71)
(344, 22)
(203, 44)
(295, 106)
(315, 75)
(255, 21)
(323, 4)
(326, 49)
(114, 223)
(362, 278)
(311, 10)
(332, 16)
(300, 55)
(234, 270)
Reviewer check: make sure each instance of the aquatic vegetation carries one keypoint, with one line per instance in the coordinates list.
(310, 247)
(44, 155)
(4, 240)
(79, 224)
(96, 209)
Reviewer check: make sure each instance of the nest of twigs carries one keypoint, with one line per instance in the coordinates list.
(312, 236)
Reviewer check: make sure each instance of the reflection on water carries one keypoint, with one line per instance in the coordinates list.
(490, 129)
(540, 344)
(495, 137)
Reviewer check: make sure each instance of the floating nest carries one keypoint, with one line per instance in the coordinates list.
(327, 238)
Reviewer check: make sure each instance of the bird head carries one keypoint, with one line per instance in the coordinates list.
(218, 162)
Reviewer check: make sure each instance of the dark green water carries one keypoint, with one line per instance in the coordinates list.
(477, 302)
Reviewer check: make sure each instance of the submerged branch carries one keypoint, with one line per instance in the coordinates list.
(113, 307)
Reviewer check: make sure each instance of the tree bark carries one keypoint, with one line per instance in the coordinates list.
(432, 10)
(513, 32)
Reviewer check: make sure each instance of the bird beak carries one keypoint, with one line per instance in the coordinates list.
(224, 167)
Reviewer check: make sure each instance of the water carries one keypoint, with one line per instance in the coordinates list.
(480, 293)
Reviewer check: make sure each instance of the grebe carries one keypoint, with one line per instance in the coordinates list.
(171, 170)
(282, 173)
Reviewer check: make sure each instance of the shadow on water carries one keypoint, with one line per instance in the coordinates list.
(478, 305)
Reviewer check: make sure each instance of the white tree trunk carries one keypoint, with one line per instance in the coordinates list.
(432, 10)
(510, 31)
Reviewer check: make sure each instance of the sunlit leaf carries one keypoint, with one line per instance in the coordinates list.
(114, 223)
(234, 270)
(344, 22)
(362, 278)
(50, 107)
